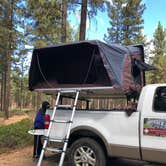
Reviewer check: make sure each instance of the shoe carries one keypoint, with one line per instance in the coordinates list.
(36, 156)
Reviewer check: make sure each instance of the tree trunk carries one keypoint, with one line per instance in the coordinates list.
(39, 97)
(2, 92)
(7, 83)
(30, 105)
(83, 20)
(64, 18)
(8, 61)
(21, 88)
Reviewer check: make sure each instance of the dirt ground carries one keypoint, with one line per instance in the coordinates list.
(23, 157)
(17, 158)
(13, 119)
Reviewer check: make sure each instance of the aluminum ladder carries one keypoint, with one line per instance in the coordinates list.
(69, 122)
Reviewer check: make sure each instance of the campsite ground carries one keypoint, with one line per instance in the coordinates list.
(13, 119)
(23, 157)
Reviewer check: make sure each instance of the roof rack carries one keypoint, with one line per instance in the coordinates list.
(87, 92)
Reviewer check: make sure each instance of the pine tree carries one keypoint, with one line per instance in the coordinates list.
(132, 22)
(48, 23)
(159, 40)
(44, 18)
(83, 20)
(115, 32)
(89, 9)
(126, 22)
(64, 22)
(159, 52)
(6, 32)
(12, 40)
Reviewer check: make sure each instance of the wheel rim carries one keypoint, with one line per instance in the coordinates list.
(84, 156)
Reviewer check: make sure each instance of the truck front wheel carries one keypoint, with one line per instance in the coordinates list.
(86, 152)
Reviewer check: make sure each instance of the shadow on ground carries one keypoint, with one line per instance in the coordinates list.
(52, 159)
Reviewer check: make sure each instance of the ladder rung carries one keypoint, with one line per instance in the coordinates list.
(61, 121)
(56, 140)
(64, 106)
(68, 91)
(54, 150)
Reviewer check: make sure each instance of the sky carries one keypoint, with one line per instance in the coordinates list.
(155, 11)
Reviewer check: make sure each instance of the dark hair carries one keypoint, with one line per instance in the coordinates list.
(45, 105)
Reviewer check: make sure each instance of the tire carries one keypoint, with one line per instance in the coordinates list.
(86, 152)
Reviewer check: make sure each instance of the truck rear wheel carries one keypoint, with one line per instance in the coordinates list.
(86, 152)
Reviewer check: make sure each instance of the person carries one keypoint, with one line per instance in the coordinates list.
(39, 124)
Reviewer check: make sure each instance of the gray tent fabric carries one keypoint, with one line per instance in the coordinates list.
(143, 66)
(88, 64)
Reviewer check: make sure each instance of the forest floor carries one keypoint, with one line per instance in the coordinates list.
(21, 157)
(13, 119)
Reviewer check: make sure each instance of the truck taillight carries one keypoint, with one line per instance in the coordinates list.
(47, 121)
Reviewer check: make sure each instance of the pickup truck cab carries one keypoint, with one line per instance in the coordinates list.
(95, 135)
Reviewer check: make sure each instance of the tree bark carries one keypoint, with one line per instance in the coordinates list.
(8, 61)
(39, 97)
(64, 18)
(21, 94)
(82, 35)
(7, 83)
(2, 92)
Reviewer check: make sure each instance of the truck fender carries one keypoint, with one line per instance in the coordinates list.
(86, 131)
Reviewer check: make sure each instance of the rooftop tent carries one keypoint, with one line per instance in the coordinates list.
(88, 64)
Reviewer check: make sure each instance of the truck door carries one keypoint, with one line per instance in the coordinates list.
(153, 125)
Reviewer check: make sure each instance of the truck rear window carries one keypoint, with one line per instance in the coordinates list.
(159, 103)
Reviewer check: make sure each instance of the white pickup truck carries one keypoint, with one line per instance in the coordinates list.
(101, 70)
(95, 135)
